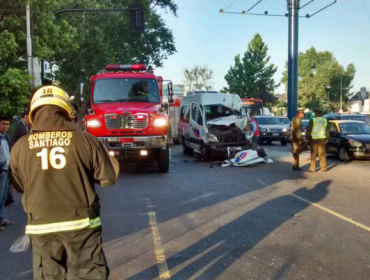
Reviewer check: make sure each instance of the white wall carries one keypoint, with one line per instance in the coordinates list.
(355, 106)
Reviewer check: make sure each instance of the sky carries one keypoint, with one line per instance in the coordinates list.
(204, 36)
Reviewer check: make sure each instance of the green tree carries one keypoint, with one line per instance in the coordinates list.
(252, 75)
(112, 42)
(198, 78)
(81, 44)
(51, 39)
(316, 71)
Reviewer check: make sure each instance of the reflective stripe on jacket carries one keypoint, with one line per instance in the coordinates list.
(63, 226)
(319, 128)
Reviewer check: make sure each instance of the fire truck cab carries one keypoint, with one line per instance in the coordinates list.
(127, 113)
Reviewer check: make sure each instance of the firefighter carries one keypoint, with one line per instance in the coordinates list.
(318, 132)
(55, 167)
(299, 145)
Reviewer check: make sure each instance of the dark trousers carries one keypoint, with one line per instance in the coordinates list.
(81, 249)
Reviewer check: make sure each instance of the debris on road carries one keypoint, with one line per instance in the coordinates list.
(246, 157)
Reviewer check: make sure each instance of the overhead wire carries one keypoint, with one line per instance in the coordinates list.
(230, 5)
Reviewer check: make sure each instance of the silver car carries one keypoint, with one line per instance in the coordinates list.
(270, 130)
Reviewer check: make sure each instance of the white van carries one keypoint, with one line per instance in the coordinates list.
(210, 122)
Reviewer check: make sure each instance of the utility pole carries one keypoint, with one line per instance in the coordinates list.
(29, 43)
(341, 98)
(293, 17)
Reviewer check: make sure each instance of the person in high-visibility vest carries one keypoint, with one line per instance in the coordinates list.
(56, 167)
(299, 145)
(318, 132)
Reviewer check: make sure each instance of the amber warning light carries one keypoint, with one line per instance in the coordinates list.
(125, 67)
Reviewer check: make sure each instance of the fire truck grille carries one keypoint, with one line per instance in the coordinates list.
(126, 121)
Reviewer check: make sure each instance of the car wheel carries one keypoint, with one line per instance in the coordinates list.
(176, 141)
(269, 142)
(284, 142)
(343, 154)
(259, 141)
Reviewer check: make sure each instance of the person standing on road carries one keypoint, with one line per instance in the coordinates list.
(56, 167)
(4, 168)
(22, 127)
(299, 145)
(318, 132)
(255, 133)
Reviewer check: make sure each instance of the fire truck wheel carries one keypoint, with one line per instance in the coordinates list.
(164, 160)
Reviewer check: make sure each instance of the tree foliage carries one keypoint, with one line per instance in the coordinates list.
(80, 44)
(252, 75)
(198, 78)
(316, 71)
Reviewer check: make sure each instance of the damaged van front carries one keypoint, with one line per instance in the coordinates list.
(210, 123)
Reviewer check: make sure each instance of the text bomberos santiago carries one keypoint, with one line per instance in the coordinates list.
(49, 139)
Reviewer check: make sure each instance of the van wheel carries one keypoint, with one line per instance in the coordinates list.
(284, 142)
(164, 160)
(203, 151)
(185, 150)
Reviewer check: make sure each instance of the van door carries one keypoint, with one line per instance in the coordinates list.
(196, 126)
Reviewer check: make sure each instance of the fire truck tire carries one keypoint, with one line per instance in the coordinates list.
(164, 160)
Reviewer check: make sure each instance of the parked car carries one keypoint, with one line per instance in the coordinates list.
(355, 117)
(270, 130)
(349, 139)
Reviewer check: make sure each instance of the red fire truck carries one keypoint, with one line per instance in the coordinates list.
(127, 113)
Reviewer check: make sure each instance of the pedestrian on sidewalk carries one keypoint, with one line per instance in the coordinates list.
(299, 145)
(318, 133)
(56, 168)
(4, 169)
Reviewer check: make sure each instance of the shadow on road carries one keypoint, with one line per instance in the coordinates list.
(231, 241)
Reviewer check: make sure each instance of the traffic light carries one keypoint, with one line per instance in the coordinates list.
(136, 18)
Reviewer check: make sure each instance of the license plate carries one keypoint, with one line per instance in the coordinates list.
(275, 134)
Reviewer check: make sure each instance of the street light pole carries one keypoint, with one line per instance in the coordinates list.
(328, 90)
(29, 43)
(293, 16)
(341, 98)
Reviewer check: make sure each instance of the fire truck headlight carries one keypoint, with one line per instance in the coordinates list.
(93, 123)
(160, 122)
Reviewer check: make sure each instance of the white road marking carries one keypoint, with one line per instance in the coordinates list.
(261, 182)
(200, 197)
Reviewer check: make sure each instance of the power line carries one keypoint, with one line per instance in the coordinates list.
(231, 4)
(366, 11)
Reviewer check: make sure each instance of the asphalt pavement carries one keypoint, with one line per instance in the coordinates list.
(204, 221)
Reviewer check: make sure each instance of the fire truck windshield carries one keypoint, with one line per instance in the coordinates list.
(126, 90)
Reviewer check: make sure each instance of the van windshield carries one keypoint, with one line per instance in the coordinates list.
(217, 111)
(126, 90)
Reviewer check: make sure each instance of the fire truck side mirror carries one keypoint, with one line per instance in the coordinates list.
(170, 93)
